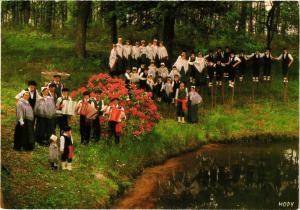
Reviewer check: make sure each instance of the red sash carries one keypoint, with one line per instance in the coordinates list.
(119, 128)
(71, 152)
(184, 104)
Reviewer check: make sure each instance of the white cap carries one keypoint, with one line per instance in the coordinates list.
(53, 137)
(162, 64)
(43, 88)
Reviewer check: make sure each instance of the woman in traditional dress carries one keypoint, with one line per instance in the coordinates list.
(182, 64)
(45, 110)
(24, 133)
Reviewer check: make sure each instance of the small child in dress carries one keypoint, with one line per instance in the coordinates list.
(53, 152)
(66, 149)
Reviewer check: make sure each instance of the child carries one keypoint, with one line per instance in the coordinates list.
(287, 61)
(66, 149)
(116, 114)
(143, 53)
(113, 60)
(134, 76)
(233, 62)
(142, 68)
(210, 69)
(34, 95)
(152, 70)
(154, 52)
(62, 119)
(200, 63)
(167, 90)
(157, 89)
(149, 53)
(242, 66)
(181, 98)
(267, 58)
(162, 53)
(255, 65)
(53, 152)
(182, 65)
(81, 109)
(127, 78)
(120, 56)
(149, 83)
(219, 72)
(163, 71)
(175, 85)
(127, 49)
(194, 100)
(173, 72)
(226, 56)
(143, 77)
(135, 54)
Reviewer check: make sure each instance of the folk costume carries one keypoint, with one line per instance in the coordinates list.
(194, 100)
(162, 54)
(286, 59)
(135, 55)
(127, 51)
(181, 98)
(116, 114)
(67, 150)
(24, 131)
(45, 111)
(62, 119)
(182, 65)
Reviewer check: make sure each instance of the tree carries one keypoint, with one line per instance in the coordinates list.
(270, 22)
(48, 16)
(83, 9)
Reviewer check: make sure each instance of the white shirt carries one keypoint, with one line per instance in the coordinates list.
(120, 50)
(162, 52)
(19, 95)
(112, 57)
(62, 143)
(136, 51)
(200, 63)
(180, 62)
(127, 50)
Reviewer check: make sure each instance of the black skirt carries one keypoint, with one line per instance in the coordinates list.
(192, 112)
(44, 129)
(24, 136)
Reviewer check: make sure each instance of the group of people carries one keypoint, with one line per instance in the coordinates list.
(38, 115)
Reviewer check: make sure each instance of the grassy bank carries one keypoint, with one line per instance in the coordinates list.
(101, 172)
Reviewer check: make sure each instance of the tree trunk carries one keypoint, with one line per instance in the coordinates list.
(250, 26)
(168, 31)
(48, 16)
(26, 8)
(270, 22)
(83, 10)
(243, 16)
(113, 22)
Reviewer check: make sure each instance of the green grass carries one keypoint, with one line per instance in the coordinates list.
(101, 172)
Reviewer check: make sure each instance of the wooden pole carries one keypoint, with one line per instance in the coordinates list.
(211, 96)
(222, 92)
(232, 95)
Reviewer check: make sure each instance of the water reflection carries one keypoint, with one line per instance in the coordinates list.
(248, 176)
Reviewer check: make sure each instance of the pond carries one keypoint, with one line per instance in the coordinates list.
(250, 175)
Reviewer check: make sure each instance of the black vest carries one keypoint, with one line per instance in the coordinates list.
(31, 100)
(285, 61)
(267, 60)
(68, 142)
(210, 58)
(243, 62)
(226, 57)
(255, 61)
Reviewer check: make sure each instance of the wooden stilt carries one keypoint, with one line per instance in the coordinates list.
(253, 91)
(222, 92)
(285, 92)
(211, 96)
(232, 95)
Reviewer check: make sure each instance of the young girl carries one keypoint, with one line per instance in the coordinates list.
(194, 100)
(81, 109)
(174, 72)
(154, 52)
(152, 70)
(181, 98)
(53, 152)
(24, 133)
(162, 53)
(157, 89)
(143, 77)
(167, 90)
(150, 83)
(182, 65)
(242, 66)
(127, 50)
(163, 71)
(135, 54)
(66, 149)
(134, 76)
(143, 53)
